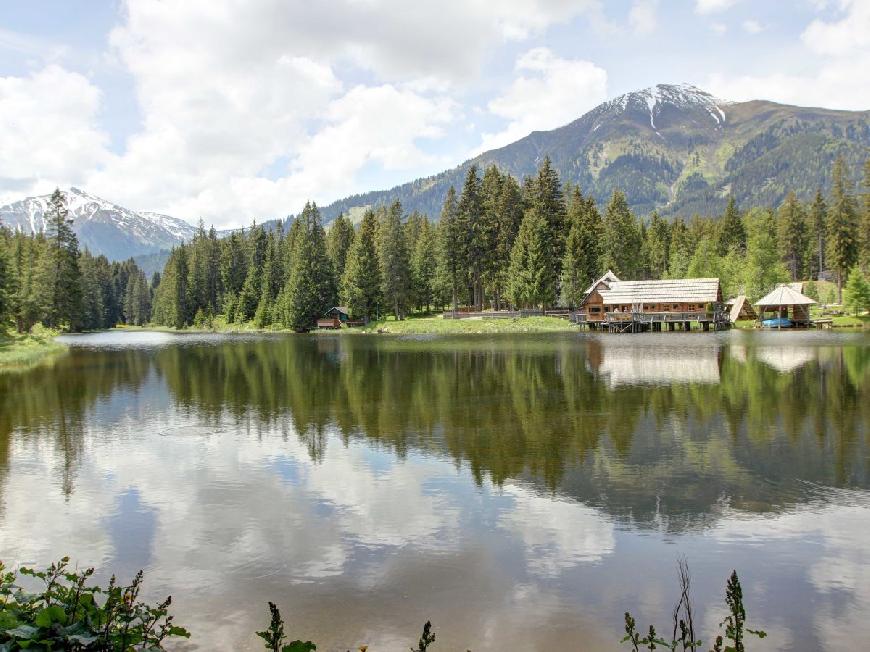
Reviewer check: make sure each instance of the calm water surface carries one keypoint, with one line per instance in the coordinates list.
(521, 492)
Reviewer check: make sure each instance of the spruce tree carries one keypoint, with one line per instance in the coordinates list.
(792, 223)
(864, 252)
(581, 260)
(452, 249)
(530, 278)
(423, 266)
(819, 228)
(658, 243)
(361, 281)
(508, 211)
(763, 268)
(857, 292)
(393, 260)
(310, 289)
(249, 297)
(621, 239)
(5, 283)
(680, 250)
(338, 241)
(469, 212)
(545, 194)
(842, 226)
(732, 233)
(61, 276)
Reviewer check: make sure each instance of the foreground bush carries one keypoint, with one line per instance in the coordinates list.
(68, 613)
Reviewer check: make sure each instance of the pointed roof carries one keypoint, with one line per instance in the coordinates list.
(784, 295)
(740, 306)
(608, 277)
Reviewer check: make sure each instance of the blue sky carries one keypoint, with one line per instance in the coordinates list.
(231, 110)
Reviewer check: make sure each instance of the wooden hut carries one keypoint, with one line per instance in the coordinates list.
(740, 308)
(633, 306)
(334, 317)
(783, 299)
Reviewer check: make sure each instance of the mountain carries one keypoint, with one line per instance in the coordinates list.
(101, 226)
(672, 148)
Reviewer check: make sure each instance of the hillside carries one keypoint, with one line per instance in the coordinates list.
(676, 149)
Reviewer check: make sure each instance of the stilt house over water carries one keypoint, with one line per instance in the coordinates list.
(637, 306)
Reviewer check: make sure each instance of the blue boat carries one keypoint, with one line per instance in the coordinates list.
(779, 322)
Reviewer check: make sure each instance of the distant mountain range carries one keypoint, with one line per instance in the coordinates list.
(101, 226)
(672, 148)
(675, 149)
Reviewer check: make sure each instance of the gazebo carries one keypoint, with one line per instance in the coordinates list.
(782, 299)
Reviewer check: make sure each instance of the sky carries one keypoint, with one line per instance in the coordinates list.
(233, 110)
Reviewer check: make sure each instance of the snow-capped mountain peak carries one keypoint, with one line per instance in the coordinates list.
(102, 226)
(657, 99)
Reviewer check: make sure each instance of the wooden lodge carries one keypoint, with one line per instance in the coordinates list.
(638, 306)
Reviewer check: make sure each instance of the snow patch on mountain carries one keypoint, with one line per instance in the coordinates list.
(102, 226)
(653, 99)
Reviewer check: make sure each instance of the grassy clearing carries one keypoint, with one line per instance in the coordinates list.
(22, 351)
(439, 326)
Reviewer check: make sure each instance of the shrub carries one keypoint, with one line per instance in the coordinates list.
(68, 613)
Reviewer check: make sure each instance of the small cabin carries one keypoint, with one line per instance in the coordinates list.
(334, 318)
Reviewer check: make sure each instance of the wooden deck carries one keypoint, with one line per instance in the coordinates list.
(641, 322)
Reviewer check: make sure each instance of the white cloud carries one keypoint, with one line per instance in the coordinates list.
(642, 16)
(839, 48)
(843, 37)
(48, 131)
(719, 28)
(713, 6)
(230, 89)
(548, 92)
(751, 26)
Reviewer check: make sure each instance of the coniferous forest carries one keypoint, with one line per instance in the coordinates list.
(497, 243)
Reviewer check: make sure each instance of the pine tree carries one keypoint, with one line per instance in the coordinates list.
(310, 289)
(621, 238)
(793, 235)
(338, 242)
(531, 269)
(508, 211)
(6, 283)
(819, 228)
(864, 253)
(452, 253)
(361, 282)
(732, 233)
(423, 266)
(249, 297)
(545, 194)
(581, 260)
(271, 282)
(842, 226)
(60, 274)
(170, 297)
(658, 245)
(469, 212)
(680, 250)
(857, 292)
(763, 268)
(393, 260)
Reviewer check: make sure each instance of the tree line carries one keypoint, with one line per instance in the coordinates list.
(45, 278)
(498, 243)
(501, 243)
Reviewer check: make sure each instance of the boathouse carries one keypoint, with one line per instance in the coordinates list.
(785, 304)
(637, 306)
(740, 308)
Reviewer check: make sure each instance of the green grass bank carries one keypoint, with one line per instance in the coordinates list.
(25, 350)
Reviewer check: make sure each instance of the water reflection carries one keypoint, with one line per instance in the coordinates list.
(514, 489)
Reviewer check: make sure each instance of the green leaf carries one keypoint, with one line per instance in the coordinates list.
(23, 631)
(299, 646)
(50, 615)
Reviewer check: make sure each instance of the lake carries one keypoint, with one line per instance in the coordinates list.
(522, 492)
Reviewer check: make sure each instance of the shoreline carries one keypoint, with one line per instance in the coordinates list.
(22, 351)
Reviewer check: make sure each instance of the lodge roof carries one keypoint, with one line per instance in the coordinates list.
(687, 290)
(784, 295)
(608, 277)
